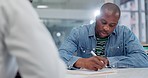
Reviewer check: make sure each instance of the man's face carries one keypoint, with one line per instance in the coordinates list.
(105, 24)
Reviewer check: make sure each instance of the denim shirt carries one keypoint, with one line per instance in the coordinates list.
(123, 49)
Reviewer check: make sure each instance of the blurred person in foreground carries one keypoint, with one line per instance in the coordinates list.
(115, 46)
(26, 45)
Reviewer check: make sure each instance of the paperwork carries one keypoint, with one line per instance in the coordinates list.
(90, 72)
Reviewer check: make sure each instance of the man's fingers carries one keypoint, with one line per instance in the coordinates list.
(99, 62)
(95, 67)
(93, 63)
(102, 59)
(98, 67)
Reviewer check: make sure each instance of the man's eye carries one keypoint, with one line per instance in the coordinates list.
(103, 22)
(112, 25)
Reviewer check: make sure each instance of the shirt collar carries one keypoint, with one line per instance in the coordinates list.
(92, 30)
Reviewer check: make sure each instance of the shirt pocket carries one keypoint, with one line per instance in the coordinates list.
(86, 52)
(117, 50)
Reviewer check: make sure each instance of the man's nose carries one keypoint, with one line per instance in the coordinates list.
(106, 27)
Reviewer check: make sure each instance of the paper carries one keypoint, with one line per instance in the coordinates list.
(90, 72)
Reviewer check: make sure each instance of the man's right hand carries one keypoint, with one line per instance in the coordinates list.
(92, 63)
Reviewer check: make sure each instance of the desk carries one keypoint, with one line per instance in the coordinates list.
(121, 73)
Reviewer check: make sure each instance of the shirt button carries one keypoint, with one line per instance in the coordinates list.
(84, 51)
(113, 66)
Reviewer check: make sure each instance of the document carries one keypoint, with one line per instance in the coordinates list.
(91, 72)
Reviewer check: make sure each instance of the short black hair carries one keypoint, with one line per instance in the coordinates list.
(111, 6)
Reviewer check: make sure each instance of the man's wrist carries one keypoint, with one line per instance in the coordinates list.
(79, 63)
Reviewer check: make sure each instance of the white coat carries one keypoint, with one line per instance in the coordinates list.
(25, 43)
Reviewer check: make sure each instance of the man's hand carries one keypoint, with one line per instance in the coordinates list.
(92, 63)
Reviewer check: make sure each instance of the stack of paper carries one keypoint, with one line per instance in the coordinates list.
(90, 72)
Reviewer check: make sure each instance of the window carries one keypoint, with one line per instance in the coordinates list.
(133, 16)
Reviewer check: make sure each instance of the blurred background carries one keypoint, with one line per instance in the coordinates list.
(60, 16)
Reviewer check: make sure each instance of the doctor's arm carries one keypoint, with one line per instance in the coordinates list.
(30, 43)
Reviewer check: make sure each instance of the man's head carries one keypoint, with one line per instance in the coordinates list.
(107, 20)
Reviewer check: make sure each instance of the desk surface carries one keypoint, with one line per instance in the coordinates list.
(121, 73)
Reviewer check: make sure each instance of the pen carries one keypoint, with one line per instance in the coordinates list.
(96, 55)
(93, 53)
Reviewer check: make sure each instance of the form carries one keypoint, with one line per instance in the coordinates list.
(91, 72)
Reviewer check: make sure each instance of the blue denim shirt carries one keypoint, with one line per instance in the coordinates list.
(123, 49)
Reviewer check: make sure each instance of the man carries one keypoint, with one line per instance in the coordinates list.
(114, 45)
(26, 44)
